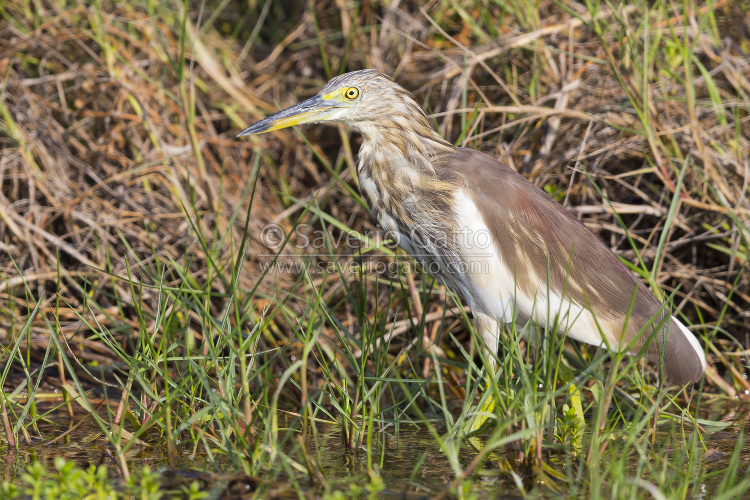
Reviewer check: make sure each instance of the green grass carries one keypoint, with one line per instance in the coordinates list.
(173, 335)
(67, 481)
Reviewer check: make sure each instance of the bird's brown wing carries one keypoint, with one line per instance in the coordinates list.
(523, 219)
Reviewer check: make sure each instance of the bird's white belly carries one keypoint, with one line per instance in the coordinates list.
(494, 286)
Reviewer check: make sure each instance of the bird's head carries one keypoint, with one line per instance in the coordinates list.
(365, 100)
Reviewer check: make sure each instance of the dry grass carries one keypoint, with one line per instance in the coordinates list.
(120, 165)
(132, 221)
(109, 136)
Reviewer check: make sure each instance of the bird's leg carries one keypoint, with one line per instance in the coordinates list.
(489, 328)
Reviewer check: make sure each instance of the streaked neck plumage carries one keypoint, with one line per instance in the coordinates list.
(407, 194)
(404, 134)
(396, 160)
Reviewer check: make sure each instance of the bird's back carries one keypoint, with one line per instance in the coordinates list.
(552, 267)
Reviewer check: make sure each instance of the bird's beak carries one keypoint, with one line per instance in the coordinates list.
(315, 109)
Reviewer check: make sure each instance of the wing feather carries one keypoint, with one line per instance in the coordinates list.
(540, 241)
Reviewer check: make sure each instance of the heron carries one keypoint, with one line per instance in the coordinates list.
(487, 233)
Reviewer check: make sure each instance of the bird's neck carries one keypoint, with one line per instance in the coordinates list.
(400, 144)
(402, 177)
(398, 170)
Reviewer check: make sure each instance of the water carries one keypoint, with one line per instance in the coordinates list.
(413, 465)
(409, 460)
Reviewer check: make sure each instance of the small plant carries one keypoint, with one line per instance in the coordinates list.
(66, 481)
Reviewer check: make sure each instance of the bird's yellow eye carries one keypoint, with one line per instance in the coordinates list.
(352, 93)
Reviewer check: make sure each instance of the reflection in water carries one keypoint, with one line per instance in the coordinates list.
(409, 460)
(85, 445)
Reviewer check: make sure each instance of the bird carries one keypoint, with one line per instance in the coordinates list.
(488, 234)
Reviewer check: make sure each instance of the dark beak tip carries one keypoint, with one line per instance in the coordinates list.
(252, 130)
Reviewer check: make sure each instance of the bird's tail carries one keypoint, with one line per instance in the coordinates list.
(684, 360)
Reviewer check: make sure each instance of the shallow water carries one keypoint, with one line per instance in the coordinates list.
(86, 445)
(411, 464)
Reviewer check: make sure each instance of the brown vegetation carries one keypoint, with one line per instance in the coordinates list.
(117, 152)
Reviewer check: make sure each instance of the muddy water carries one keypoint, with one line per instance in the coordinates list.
(85, 445)
(411, 466)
